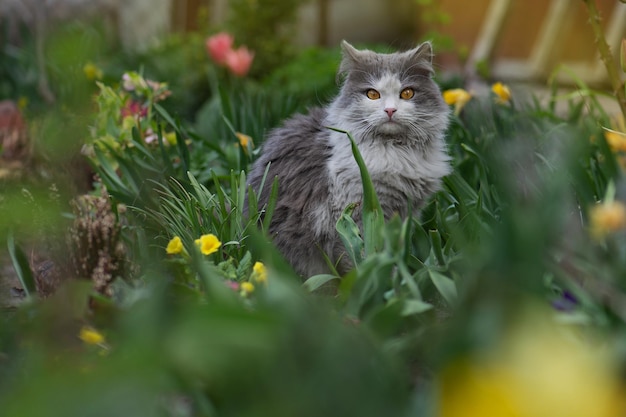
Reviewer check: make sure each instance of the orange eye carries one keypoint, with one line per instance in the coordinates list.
(373, 94)
(407, 94)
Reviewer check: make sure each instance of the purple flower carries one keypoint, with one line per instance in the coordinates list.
(565, 302)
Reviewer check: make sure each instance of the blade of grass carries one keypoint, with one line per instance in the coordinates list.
(317, 281)
(373, 220)
(21, 266)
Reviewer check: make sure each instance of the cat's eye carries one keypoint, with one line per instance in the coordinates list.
(407, 93)
(372, 94)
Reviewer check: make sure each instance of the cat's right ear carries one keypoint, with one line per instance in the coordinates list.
(350, 57)
(349, 51)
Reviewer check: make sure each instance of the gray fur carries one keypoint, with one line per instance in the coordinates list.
(317, 174)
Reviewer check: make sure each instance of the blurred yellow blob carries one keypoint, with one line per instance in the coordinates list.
(91, 336)
(607, 218)
(502, 92)
(259, 272)
(92, 72)
(247, 288)
(22, 102)
(456, 97)
(538, 370)
(616, 140)
(245, 141)
(170, 137)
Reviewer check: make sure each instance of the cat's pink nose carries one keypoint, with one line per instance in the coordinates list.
(390, 111)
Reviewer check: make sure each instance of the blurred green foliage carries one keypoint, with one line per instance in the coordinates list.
(18, 71)
(267, 27)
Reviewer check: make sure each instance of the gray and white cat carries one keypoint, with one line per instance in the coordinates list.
(396, 114)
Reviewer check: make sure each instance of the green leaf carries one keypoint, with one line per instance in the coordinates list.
(225, 103)
(412, 307)
(350, 235)
(181, 145)
(317, 281)
(244, 267)
(21, 266)
(164, 114)
(445, 286)
(373, 219)
(164, 156)
(435, 238)
(211, 280)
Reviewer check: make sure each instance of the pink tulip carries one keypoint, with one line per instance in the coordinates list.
(219, 46)
(239, 61)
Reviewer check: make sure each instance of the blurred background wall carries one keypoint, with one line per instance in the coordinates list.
(508, 39)
(522, 40)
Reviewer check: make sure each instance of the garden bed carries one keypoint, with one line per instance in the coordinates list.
(505, 295)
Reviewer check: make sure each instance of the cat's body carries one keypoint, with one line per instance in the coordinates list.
(394, 111)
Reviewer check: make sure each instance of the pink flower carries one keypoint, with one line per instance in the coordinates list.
(239, 61)
(233, 285)
(134, 108)
(218, 46)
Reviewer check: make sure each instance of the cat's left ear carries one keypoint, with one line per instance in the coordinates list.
(424, 52)
(421, 58)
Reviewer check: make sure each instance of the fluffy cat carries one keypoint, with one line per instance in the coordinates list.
(396, 114)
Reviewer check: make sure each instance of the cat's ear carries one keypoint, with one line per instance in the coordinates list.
(424, 52)
(349, 51)
(422, 56)
(350, 57)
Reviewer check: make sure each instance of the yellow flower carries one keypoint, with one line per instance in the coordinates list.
(208, 244)
(91, 336)
(616, 140)
(536, 370)
(502, 91)
(245, 141)
(259, 273)
(456, 97)
(174, 246)
(92, 72)
(247, 288)
(607, 218)
(483, 392)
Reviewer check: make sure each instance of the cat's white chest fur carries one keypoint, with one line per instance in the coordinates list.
(403, 168)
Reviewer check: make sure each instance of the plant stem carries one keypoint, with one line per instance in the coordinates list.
(605, 53)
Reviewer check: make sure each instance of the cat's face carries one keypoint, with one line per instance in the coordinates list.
(391, 95)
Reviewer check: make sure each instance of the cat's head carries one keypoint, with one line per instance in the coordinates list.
(390, 95)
